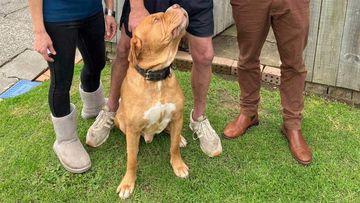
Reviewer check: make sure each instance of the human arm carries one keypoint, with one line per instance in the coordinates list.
(110, 22)
(137, 13)
(42, 41)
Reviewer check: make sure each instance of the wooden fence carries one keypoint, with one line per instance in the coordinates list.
(333, 52)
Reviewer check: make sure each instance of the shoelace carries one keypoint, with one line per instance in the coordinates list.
(200, 132)
(108, 122)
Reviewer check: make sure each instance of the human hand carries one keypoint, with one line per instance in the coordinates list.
(136, 16)
(110, 27)
(44, 46)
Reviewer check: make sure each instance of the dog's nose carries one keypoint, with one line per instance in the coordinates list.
(175, 6)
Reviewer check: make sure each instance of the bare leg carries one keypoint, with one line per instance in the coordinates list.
(118, 70)
(99, 131)
(202, 53)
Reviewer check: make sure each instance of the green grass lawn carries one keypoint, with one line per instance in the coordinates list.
(255, 168)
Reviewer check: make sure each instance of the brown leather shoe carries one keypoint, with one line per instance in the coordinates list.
(238, 127)
(298, 146)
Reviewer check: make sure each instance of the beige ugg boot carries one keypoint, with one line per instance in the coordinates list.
(67, 146)
(93, 102)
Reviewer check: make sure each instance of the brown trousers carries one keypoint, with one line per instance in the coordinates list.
(290, 22)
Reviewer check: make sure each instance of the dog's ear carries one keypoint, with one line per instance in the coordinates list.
(135, 48)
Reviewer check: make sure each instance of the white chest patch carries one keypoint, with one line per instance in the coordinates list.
(159, 83)
(159, 116)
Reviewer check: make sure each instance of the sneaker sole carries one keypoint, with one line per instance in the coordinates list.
(99, 144)
(217, 151)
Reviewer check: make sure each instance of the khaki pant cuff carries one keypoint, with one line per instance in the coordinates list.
(292, 124)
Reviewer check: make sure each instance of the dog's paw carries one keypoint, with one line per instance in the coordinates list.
(181, 170)
(183, 141)
(125, 188)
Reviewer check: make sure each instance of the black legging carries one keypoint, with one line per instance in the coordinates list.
(88, 35)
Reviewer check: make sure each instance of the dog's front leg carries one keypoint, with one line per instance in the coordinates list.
(127, 184)
(180, 168)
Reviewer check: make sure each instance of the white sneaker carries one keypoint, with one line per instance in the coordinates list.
(99, 131)
(210, 142)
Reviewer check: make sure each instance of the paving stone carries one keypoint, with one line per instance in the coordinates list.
(231, 31)
(16, 36)
(27, 65)
(9, 6)
(226, 46)
(271, 36)
(270, 55)
(5, 82)
(22, 15)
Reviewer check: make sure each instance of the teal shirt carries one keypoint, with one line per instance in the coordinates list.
(70, 10)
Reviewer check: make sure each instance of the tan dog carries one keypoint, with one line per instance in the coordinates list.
(148, 107)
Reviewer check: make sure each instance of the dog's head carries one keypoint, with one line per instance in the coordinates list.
(156, 39)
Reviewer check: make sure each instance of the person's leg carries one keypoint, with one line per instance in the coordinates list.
(118, 70)
(252, 22)
(62, 69)
(202, 53)
(92, 47)
(291, 25)
(291, 32)
(200, 31)
(67, 146)
(100, 129)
